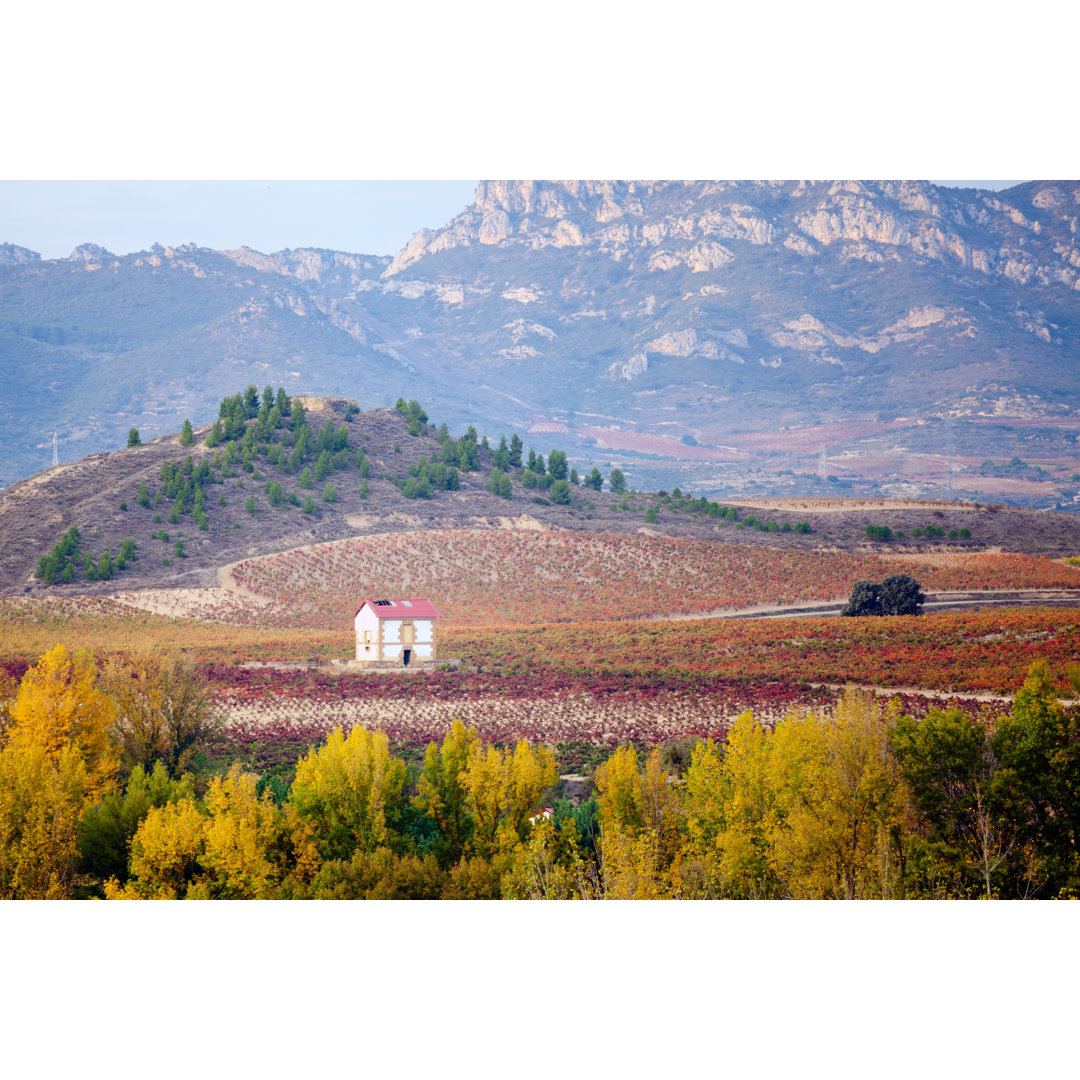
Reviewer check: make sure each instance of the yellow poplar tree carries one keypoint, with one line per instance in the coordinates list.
(730, 805)
(640, 820)
(503, 790)
(251, 845)
(350, 791)
(619, 793)
(57, 759)
(839, 802)
(59, 704)
(166, 854)
(41, 802)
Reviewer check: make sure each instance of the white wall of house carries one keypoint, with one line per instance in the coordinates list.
(381, 639)
(424, 645)
(367, 634)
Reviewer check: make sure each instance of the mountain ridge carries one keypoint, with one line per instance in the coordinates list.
(623, 312)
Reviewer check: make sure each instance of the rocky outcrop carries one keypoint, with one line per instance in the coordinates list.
(91, 253)
(13, 255)
(692, 225)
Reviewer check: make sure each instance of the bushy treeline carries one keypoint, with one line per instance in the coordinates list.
(678, 502)
(102, 793)
(931, 532)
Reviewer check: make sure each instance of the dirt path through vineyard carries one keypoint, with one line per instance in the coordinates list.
(935, 601)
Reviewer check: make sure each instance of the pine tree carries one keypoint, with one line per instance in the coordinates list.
(186, 434)
(133, 437)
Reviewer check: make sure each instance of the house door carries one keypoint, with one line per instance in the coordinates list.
(406, 656)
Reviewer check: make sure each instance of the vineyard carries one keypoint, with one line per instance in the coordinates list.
(492, 577)
(30, 627)
(272, 716)
(959, 652)
(594, 683)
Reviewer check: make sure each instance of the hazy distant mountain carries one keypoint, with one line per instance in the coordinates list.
(631, 318)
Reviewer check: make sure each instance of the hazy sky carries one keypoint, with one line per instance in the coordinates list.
(372, 217)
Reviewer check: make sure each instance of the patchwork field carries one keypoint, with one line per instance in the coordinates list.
(581, 687)
(496, 577)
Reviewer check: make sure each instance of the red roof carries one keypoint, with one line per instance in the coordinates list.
(411, 608)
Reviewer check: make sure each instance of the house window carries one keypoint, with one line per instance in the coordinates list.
(367, 637)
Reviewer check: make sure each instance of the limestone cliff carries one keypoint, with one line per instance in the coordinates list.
(1029, 235)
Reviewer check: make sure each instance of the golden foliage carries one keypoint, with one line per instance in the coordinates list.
(42, 798)
(503, 789)
(350, 792)
(59, 704)
(241, 848)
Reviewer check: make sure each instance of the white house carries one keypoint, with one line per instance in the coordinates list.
(395, 631)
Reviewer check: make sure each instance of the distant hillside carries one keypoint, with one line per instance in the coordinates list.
(739, 338)
(263, 480)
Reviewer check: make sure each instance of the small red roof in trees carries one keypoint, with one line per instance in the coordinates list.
(412, 608)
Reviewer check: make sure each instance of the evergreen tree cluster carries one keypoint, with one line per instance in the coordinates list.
(63, 564)
(426, 477)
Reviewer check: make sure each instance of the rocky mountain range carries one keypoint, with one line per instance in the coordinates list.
(734, 335)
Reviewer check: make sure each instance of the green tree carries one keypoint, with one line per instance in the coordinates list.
(947, 761)
(186, 434)
(515, 451)
(499, 484)
(559, 492)
(329, 495)
(865, 599)
(133, 438)
(441, 794)
(306, 479)
(594, 480)
(618, 480)
(901, 595)
(557, 464)
(1038, 748)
